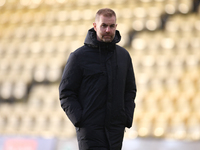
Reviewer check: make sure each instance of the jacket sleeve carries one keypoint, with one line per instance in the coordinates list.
(130, 94)
(68, 90)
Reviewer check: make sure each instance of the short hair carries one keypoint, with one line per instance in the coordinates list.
(106, 12)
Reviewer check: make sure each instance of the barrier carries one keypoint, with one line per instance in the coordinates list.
(37, 143)
(27, 143)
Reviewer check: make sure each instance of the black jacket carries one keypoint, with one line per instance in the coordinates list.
(97, 93)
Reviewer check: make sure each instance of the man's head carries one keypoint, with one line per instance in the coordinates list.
(105, 25)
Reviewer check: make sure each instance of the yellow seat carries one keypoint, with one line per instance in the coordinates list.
(161, 125)
(185, 6)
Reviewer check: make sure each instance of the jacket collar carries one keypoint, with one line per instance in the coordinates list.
(91, 40)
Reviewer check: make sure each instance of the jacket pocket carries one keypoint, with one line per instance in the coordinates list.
(119, 117)
(124, 117)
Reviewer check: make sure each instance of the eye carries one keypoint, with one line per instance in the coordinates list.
(104, 25)
(112, 26)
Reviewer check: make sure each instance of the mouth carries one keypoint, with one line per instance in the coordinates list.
(107, 36)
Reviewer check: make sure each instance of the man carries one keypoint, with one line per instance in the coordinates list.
(98, 89)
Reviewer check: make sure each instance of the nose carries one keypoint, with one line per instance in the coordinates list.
(108, 29)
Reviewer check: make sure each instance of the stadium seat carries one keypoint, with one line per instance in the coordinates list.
(38, 36)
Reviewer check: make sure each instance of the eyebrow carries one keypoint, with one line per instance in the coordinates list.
(107, 24)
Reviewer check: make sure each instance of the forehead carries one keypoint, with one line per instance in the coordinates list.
(107, 20)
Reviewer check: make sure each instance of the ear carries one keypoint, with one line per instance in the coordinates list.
(95, 26)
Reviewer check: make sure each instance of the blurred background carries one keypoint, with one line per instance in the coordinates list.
(36, 38)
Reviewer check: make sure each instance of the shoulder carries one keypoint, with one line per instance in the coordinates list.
(122, 51)
(79, 50)
(78, 53)
(83, 50)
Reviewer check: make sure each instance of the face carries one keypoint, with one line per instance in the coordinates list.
(105, 28)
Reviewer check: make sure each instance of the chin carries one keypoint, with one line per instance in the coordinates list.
(107, 40)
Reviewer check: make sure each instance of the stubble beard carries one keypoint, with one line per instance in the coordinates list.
(107, 40)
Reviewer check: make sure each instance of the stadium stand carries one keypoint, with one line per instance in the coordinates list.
(162, 36)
